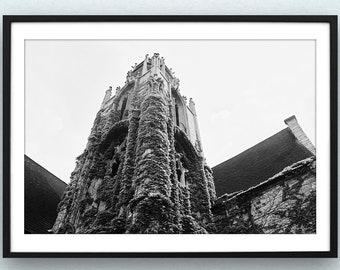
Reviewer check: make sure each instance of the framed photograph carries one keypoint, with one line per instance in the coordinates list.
(170, 136)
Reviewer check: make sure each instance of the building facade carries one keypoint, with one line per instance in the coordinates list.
(143, 169)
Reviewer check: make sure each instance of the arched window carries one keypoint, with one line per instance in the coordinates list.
(179, 112)
(176, 111)
(115, 166)
(123, 108)
(181, 169)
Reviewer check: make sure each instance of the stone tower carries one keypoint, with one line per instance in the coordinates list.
(143, 169)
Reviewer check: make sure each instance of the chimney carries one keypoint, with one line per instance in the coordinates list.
(299, 134)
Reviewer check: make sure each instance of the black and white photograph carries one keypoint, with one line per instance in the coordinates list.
(209, 143)
(183, 134)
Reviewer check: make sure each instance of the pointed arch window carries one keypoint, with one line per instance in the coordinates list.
(123, 108)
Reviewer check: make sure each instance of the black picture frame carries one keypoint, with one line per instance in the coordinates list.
(7, 24)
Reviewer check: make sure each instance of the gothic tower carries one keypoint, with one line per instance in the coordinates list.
(143, 169)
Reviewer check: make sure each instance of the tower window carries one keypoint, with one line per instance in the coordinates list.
(180, 170)
(115, 166)
(177, 118)
(123, 108)
(179, 174)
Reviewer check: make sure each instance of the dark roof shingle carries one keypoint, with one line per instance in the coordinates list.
(259, 162)
(43, 191)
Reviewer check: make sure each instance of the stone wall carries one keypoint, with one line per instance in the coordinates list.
(285, 203)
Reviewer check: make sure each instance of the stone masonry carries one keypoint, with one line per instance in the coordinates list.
(285, 203)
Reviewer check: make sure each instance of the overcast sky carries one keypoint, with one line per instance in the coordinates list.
(243, 91)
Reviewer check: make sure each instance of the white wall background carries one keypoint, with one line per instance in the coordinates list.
(198, 7)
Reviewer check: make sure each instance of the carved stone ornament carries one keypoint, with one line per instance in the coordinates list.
(118, 89)
(175, 83)
(156, 83)
(130, 77)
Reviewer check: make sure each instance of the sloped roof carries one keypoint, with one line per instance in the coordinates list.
(259, 162)
(43, 191)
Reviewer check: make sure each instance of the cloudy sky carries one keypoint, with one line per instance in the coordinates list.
(243, 90)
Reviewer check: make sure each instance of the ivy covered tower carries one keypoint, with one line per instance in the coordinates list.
(143, 169)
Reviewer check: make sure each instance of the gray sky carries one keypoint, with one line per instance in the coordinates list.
(243, 91)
